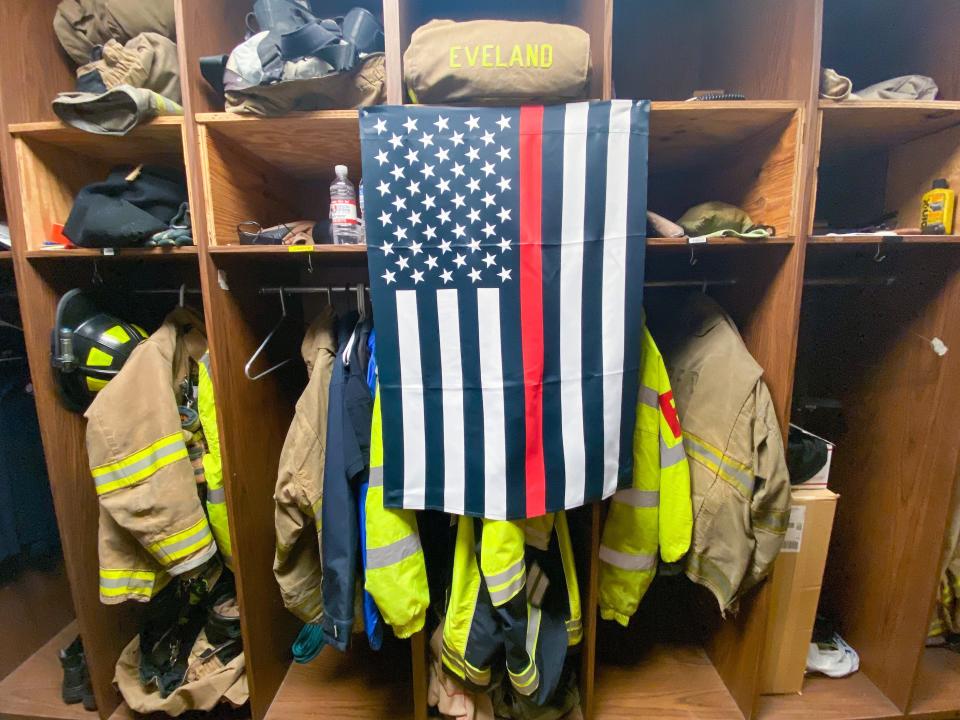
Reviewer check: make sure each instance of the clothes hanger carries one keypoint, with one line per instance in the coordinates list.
(266, 341)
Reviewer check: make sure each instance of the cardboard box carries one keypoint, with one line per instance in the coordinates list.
(795, 590)
(820, 479)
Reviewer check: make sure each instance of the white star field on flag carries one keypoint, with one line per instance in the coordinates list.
(454, 221)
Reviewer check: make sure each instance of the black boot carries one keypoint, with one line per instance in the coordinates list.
(76, 680)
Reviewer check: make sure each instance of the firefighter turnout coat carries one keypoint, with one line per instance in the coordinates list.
(654, 516)
(299, 489)
(741, 487)
(153, 524)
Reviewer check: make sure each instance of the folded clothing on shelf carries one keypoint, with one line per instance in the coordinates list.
(129, 207)
(497, 62)
(300, 62)
(719, 219)
(83, 25)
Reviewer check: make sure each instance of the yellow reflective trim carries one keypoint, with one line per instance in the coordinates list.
(141, 331)
(98, 358)
(134, 477)
(116, 592)
(118, 334)
(183, 543)
(96, 384)
(138, 574)
(138, 455)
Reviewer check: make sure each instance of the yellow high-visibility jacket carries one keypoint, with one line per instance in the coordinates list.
(656, 512)
(152, 521)
(396, 571)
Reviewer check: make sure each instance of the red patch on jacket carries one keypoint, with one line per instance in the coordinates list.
(669, 409)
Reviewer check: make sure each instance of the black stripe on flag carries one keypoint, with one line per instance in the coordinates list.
(432, 398)
(592, 325)
(552, 216)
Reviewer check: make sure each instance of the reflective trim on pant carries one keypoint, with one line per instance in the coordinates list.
(738, 475)
(393, 553)
(376, 476)
(527, 680)
(140, 465)
(627, 561)
(183, 544)
(462, 669)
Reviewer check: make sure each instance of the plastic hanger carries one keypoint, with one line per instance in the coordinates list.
(266, 341)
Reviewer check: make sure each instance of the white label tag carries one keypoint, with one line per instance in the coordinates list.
(109, 251)
(343, 212)
(794, 536)
(697, 240)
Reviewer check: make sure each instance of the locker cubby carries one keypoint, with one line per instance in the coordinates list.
(882, 158)
(866, 363)
(589, 15)
(874, 40)
(761, 48)
(216, 27)
(253, 172)
(360, 683)
(724, 151)
(56, 162)
(678, 633)
(49, 69)
(105, 629)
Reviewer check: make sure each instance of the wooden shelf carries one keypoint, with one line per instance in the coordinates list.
(724, 241)
(302, 145)
(683, 133)
(882, 239)
(6, 255)
(133, 253)
(670, 681)
(160, 140)
(826, 698)
(938, 685)
(359, 685)
(32, 691)
(288, 250)
(855, 125)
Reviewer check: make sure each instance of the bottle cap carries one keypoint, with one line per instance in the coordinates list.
(940, 184)
(341, 171)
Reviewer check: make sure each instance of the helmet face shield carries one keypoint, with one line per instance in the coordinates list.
(88, 348)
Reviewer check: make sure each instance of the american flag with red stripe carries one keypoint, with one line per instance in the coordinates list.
(506, 254)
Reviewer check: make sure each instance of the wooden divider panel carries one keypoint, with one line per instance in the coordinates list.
(898, 448)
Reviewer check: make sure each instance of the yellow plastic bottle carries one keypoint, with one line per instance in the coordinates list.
(936, 209)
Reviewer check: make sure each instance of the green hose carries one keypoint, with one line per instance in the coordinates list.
(308, 644)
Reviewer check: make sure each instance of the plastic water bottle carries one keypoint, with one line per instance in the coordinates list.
(344, 225)
(363, 216)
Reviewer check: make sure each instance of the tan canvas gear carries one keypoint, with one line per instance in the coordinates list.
(81, 25)
(497, 62)
(147, 61)
(208, 683)
(364, 85)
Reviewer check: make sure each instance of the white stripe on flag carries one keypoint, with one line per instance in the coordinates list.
(614, 285)
(494, 425)
(571, 300)
(451, 373)
(411, 394)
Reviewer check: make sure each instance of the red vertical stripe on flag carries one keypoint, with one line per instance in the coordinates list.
(531, 301)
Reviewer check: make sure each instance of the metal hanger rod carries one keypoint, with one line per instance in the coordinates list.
(845, 281)
(687, 283)
(308, 290)
(166, 291)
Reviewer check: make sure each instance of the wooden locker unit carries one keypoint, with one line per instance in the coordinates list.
(859, 339)
(759, 48)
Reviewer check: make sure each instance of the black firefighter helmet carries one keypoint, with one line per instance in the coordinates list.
(88, 348)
